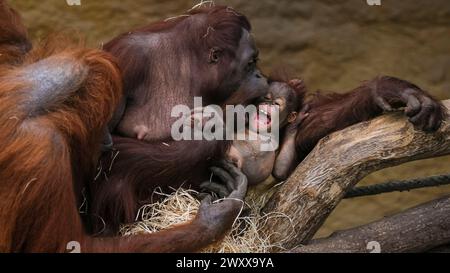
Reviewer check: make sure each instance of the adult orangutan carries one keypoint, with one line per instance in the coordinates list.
(55, 103)
(208, 52)
(14, 41)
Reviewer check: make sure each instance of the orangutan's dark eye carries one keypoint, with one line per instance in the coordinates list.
(252, 64)
(214, 55)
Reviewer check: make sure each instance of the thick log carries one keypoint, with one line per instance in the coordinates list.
(415, 230)
(337, 163)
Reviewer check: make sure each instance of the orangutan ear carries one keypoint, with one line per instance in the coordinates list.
(292, 117)
(214, 55)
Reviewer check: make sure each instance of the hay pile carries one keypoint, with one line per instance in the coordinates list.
(181, 206)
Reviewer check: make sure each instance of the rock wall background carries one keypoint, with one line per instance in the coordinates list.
(332, 44)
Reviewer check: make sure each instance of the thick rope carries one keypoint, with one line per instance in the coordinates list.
(403, 185)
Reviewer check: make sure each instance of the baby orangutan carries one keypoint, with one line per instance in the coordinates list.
(247, 155)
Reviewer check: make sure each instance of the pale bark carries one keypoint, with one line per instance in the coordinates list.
(337, 163)
(415, 230)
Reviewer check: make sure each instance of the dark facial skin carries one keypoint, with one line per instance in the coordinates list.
(208, 54)
(246, 78)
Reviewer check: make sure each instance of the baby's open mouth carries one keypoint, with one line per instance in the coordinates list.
(263, 117)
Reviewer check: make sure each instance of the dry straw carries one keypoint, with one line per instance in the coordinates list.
(181, 206)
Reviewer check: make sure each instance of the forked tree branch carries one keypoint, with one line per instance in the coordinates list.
(337, 163)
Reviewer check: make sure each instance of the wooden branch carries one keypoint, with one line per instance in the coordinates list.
(337, 163)
(440, 249)
(415, 230)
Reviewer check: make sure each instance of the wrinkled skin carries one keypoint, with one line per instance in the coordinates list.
(423, 111)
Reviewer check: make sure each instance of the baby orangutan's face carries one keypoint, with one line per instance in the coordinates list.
(278, 96)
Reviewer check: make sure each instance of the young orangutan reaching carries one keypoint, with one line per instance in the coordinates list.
(322, 118)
